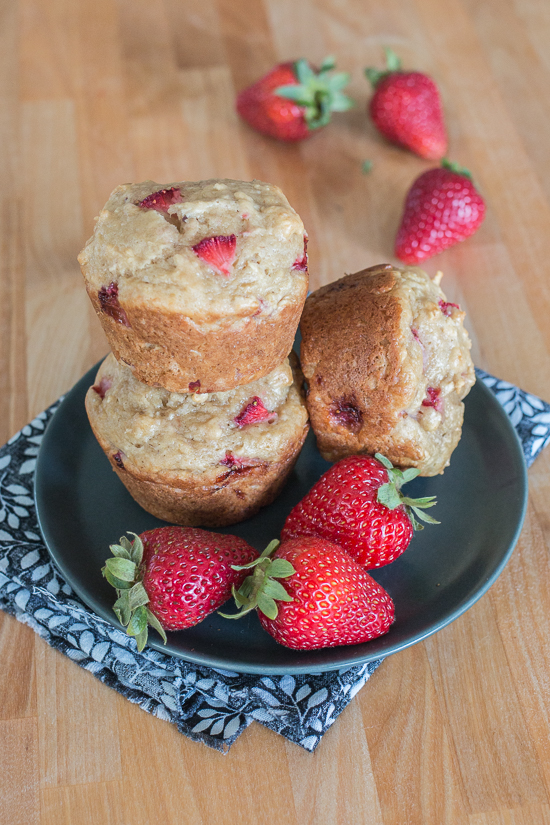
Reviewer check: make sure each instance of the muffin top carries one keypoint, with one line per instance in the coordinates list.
(205, 249)
(160, 432)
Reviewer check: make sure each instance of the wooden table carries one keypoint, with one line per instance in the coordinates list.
(453, 730)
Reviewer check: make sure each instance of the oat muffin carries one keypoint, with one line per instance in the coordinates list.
(200, 459)
(387, 362)
(198, 284)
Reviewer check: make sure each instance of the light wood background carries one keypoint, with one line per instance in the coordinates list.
(98, 92)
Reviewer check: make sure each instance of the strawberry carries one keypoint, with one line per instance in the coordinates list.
(328, 598)
(293, 99)
(301, 261)
(218, 252)
(118, 458)
(433, 399)
(162, 200)
(446, 307)
(103, 387)
(406, 109)
(357, 505)
(108, 301)
(173, 577)
(441, 209)
(253, 413)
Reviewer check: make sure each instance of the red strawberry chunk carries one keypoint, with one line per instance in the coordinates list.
(231, 461)
(195, 386)
(104, 385)
(433, 399)
(416, 336)
(218, 252)
(162, 200)
(253, 413)
(118, 459)
(347, 413)
(446, 307)
(300, 263)
(108, 300)
(236, 466)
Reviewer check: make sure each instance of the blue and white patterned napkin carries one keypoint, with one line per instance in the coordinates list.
(211, 706)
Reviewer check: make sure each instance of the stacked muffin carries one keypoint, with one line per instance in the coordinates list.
(199, 288)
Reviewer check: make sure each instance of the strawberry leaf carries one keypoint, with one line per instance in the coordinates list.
(304, 72)
(122, 569)
(456, 168)
(328, 64)
(137, 596)
(260, 589)
(410, 473)
(156, 625)
(384, 461)
(141, 639)
(275, 590)
(389, 496)
(122, 608)
(292, 92)
(136, 549)
(120, 551)
(138, 622)
(393, 62)
(424, 516)
(340, 102)
(281, 569)
(268, 606)
(118, 584)
(319, 93)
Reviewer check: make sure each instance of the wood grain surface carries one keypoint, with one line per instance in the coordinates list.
(98, 92)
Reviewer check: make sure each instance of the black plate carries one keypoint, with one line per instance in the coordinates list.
(82, 508)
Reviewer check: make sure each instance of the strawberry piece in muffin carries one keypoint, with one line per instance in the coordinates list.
(218, 252)
(161, 200)
(254, 413)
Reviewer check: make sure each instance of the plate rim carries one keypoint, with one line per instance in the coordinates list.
(343, 661)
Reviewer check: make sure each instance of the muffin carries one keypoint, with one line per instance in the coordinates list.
(198, 285)
(200, 459)
(387, 362)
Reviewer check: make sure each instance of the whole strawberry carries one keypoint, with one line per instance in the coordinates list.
(328, 599)
(441, 209)
(357, 504)
(406, 108)
(173, 577)
(293, 99)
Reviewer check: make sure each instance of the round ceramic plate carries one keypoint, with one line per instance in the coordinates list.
(82, 508)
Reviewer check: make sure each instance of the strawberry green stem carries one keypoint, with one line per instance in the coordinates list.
(390, 495)
(261, 590)
(123, 572)
(454, 167)
(319, 92)
(393, 64)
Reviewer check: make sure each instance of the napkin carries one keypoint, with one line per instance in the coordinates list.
(209, 705)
